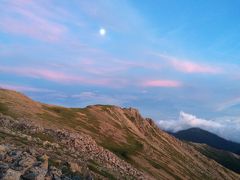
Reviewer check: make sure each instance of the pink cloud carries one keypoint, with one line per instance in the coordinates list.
(162, 83)
(26, 18)
(188, 66)
(36, 73)
(38, 30)
(23, 88)
(60, 77)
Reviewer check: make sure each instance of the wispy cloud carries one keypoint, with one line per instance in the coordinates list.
(228, 104)
(191, 67)
(60, 77)
(24, 88)
(103, 64)
(64, 77)
(30, 19)
(162, 83)
(187, 66)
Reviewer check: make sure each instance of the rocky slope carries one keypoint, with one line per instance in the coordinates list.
(100, 142)
(62, 146)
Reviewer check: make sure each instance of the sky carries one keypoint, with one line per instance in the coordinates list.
(164, 57)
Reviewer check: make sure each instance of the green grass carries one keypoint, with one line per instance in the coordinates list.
(222, 157)
(129, 117)
(93, 166)
(53, 162)
(124, 151)
(105, 105)
(5, 110)
(3, 135)
(66, 113)
(155, 164)
(69, 117)
(19, 141)
(163, 167)
(44, 137)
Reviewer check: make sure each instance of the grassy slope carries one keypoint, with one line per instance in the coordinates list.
(122, 131)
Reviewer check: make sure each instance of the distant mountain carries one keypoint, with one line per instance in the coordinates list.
(198, 135)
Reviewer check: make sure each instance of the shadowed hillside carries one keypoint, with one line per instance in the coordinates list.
(225, 158)
(201, 136)
(213, 146)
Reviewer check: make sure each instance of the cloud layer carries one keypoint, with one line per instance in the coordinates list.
(228, 127)
(162, 83)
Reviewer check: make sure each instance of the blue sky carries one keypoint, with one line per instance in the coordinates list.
(160, 56)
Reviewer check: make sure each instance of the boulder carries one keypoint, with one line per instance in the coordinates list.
(26, 162)
(54, 173)
(11, 175)
(3, 148)
(44, 160)
(35, 173)
(74, 167)
(3, 151)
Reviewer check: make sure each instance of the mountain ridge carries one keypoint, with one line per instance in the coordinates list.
(199, 135)
(123, 133)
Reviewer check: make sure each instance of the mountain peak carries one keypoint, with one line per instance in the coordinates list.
(196, 130)
(199, 135)
(112, 141)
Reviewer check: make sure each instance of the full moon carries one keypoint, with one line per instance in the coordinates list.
(102, 32)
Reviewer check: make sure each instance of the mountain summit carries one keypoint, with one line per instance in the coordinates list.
(95, 142)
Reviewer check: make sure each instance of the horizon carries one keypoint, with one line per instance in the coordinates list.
(177, 62)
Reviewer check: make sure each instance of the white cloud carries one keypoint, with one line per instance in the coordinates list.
(227, 127)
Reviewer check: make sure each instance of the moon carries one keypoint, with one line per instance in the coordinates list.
(102, 32)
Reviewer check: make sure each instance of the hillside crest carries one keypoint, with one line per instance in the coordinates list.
(110, 141)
